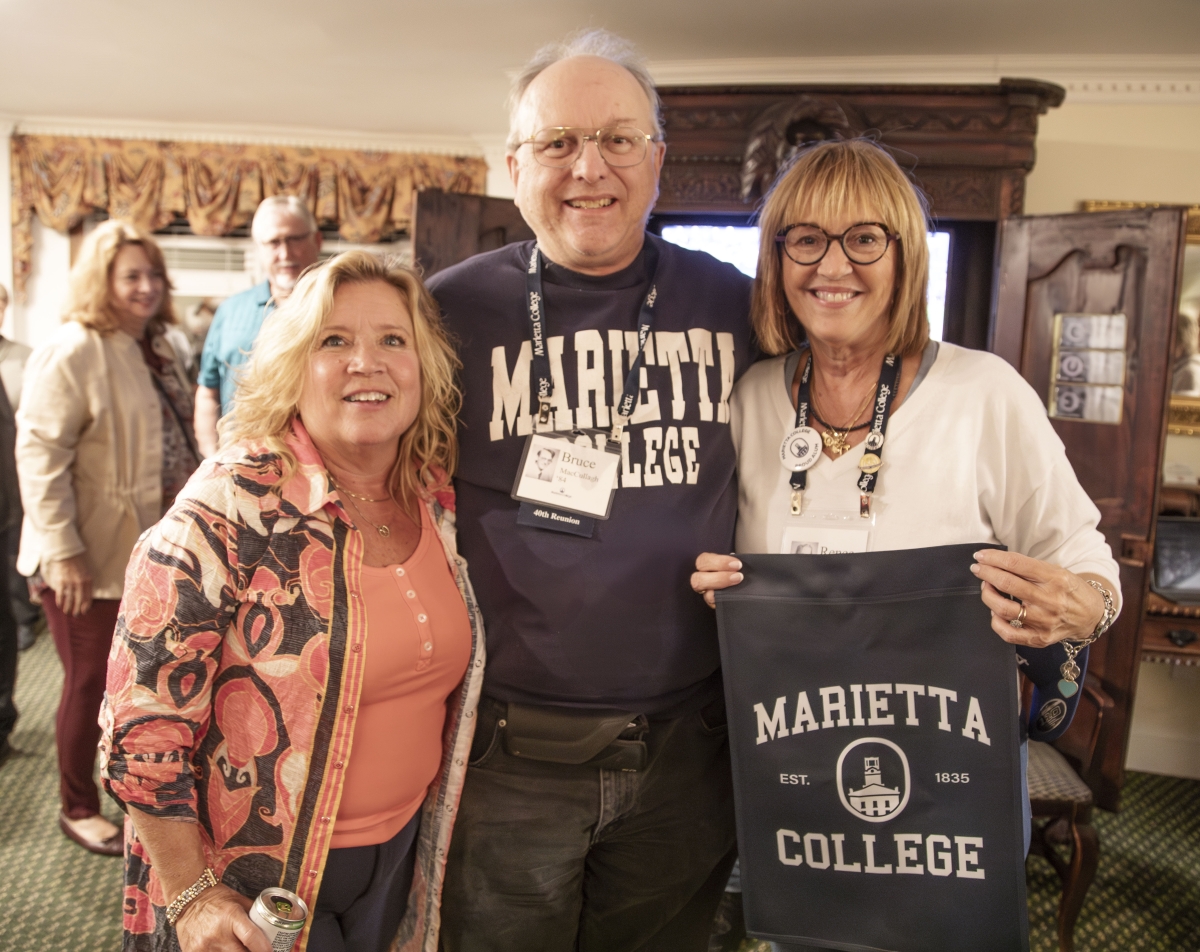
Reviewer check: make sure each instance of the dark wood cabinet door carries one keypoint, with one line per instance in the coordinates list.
(1126, 262)
(448, 228)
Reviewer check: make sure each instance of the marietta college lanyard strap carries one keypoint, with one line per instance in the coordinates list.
(801, 448)
(543, 380)
(567, 480)
(872, 458)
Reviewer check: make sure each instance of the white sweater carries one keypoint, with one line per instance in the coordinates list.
(970, 456)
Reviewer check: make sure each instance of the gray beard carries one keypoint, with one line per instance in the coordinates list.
(283, 283)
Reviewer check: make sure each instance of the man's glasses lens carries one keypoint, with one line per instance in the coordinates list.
(863, 244)
(559, 148)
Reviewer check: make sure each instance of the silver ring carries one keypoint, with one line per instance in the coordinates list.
(1019, 621)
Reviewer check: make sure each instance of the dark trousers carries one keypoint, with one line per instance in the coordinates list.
(8, 648)
(364, 891)
(556, 858)
(17, 585)
(82, 643)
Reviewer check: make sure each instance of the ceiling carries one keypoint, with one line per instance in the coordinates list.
(440, 68)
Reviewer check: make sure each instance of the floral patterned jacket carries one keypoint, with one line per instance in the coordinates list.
(233, 686)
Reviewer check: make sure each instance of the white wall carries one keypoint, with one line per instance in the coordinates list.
(1165, 735)
(36, 319)
(6, 129)
(1135, 152)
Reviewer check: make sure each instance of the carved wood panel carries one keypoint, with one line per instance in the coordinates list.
(1126, 262)
(969, 147)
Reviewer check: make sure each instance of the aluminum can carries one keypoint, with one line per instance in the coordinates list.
(280, 915)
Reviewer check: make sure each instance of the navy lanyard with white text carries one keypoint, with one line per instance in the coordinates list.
(543, 381)
(871, 460)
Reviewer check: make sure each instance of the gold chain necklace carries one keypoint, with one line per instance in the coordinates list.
(343, 489)
(382, 529)
(837, 438)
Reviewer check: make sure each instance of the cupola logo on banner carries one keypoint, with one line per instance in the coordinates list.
(873, 779)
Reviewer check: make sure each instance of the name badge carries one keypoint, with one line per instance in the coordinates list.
(826, 532)
(570, 474)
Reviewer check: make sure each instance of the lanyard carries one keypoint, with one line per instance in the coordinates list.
(799, 479)
(869, 464)
(543, 381)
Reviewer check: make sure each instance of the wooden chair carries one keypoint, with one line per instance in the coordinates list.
(1059, 797)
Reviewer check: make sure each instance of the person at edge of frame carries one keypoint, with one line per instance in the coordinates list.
(624, 843)
(10, 523)
(13, 357)
(287, 240)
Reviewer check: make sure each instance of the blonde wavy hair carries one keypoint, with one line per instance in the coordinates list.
(825, 182)
(89, 295)
(271, 383)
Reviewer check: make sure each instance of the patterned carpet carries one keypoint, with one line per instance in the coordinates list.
(55, 896)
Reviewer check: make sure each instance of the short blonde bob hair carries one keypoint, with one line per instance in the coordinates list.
(826, 181)
(89, 298)
(272, 381)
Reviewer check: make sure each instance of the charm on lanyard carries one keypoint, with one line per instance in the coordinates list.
(871, 461)
(801, 448)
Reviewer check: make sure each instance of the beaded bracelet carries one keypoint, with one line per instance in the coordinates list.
(206, 881)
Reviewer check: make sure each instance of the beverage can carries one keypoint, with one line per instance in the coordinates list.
(281, 915)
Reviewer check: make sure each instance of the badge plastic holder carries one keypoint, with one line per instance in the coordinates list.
(551, 475)
(826, 532)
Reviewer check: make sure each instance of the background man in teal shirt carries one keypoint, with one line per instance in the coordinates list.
(288, 241)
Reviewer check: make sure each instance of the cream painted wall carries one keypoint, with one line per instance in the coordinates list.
(1138, 152)
(6, 129)
(1165, 734)
(35, 320)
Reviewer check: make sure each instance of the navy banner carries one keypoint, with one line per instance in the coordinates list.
(873, 725)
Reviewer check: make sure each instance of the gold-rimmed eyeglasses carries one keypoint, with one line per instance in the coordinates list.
(559, 147)
(864, 243)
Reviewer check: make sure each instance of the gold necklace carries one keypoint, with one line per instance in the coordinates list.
(838, 442)
(382, 529)
(343, 489)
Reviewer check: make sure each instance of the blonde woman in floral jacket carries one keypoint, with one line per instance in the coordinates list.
(292, 689)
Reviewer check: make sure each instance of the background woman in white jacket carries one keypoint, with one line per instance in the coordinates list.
(104, 443)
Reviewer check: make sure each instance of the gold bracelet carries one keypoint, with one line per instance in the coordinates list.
(206, 881)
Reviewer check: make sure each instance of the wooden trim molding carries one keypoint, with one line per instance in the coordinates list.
(1193, 218)
(968, 146)
(1087, 78)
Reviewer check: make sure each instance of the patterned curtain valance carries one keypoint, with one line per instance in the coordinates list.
(217, 187)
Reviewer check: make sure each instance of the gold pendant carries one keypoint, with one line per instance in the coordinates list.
(870, 463)
(836, 442)
(385, 531)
